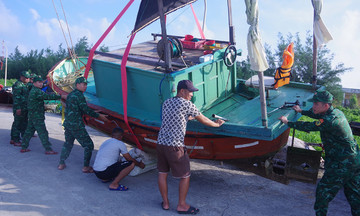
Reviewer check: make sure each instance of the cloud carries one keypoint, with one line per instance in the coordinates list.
(347, 47)
(34, 13)
(9, 24)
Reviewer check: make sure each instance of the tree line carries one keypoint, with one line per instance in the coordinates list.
(327, 74)
(39, 62)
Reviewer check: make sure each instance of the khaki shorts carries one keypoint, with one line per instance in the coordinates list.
(174, 158)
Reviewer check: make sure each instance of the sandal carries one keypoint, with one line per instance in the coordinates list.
(120, 188)
(162, 206)
(18, 144)
(51, 152)
(24, 150)
(88, 170)
(191, 210)
(61, 166)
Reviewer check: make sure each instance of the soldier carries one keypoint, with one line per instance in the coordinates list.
(342, 161)
(36, 116)
(76, 107)
(20, 97)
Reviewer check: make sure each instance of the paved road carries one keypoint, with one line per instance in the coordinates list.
(31, 185)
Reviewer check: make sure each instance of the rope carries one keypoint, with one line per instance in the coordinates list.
(92, 51)
(67, 25)
(125, 88)
(71, 53)
(197, 23)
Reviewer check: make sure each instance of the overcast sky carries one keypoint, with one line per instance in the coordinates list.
(33, 24)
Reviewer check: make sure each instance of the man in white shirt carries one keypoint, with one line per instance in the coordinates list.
(107, 165)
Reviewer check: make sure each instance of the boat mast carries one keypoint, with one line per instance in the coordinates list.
(231, 27)
(164, 37)
(314, 78)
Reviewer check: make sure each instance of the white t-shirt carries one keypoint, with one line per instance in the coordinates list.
(108, 154)
(175, 115)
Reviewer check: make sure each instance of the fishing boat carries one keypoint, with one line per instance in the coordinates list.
(130, 84)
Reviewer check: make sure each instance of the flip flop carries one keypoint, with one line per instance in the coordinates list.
(191, 210)
(18, 144)
(88, 170)
(162, 206)
(61, 166)
(51, 152)
(24, 150)
(120, 188)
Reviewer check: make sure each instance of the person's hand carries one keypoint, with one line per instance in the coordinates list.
(141, 165)
(18, 112)
(297, 108)
(191, 118)
(219, 121)
(102, 117)
(284, 120)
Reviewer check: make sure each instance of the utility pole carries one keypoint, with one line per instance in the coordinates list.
(6, 57)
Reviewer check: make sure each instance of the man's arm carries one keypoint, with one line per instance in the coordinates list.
(137, 163)
(206, 121)
(308, 113)
(87, 110)
(303, 126)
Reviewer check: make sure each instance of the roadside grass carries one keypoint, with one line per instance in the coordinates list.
(314, 136)
(9, 82)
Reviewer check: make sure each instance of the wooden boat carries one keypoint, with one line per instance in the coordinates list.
(220, 93)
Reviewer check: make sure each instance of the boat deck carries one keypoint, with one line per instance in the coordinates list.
(144, 56)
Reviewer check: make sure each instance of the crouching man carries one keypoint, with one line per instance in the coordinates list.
(107, 165)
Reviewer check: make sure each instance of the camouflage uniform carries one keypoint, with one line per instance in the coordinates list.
(20, 97)
(342, 162)
(76, 107)
(36, 116)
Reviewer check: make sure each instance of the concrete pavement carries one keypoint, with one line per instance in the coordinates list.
(31, 185)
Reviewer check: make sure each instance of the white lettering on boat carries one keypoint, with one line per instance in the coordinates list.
(101, 122)
(246, 145)
(195, 147)
(150, 140)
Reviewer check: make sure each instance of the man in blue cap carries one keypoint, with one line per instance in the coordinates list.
(342, 160)
(74, 126)
(20, 112)
(171, 150)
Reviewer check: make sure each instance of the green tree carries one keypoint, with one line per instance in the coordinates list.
(353, 102)
(81, 46)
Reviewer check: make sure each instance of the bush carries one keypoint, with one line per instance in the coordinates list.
(314, 136)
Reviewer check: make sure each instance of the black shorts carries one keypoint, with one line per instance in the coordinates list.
(113, 170)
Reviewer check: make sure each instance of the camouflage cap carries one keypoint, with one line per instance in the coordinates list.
(322, 96)
(25, 74)
(33, 76)
(81, 80)
(37, 79)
